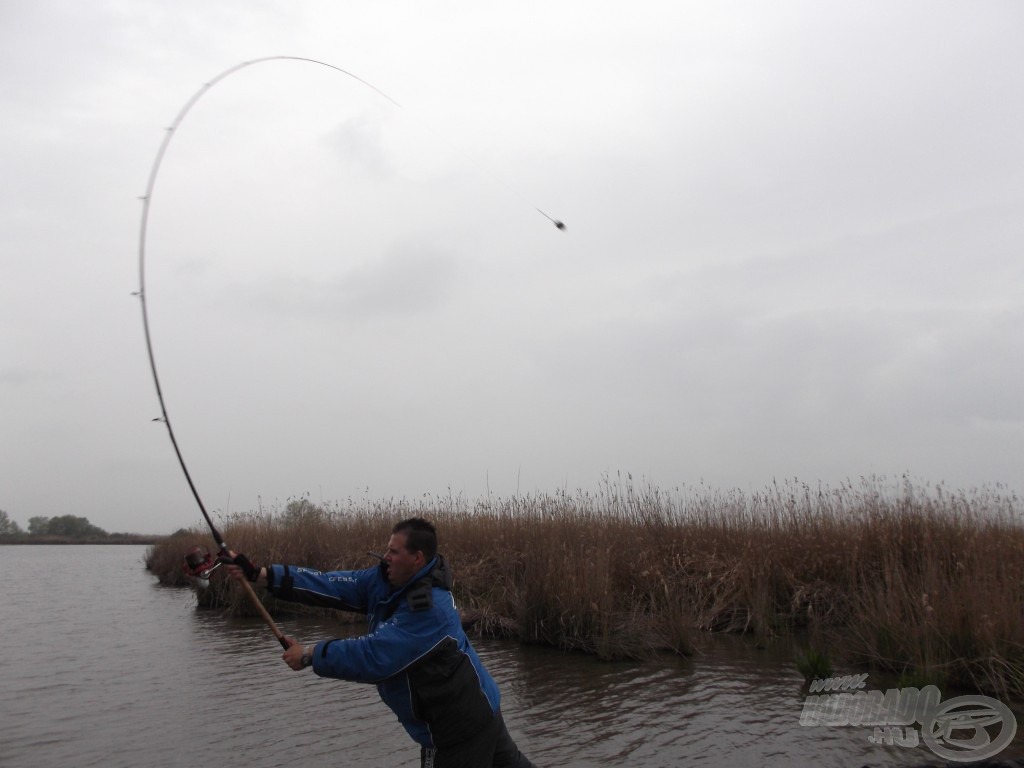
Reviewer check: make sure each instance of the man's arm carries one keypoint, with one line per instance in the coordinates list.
(341, 590)
(393, 646)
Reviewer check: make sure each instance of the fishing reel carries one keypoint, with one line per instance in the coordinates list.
(198, 566)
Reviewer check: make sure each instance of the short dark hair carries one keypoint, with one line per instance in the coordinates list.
(420, 536)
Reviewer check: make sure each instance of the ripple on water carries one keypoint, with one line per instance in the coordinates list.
(105, 669)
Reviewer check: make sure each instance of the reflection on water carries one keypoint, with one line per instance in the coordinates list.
(103, 668)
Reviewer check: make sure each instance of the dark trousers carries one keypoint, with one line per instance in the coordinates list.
(493, 747)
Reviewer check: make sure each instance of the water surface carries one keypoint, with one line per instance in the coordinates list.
(102, 667)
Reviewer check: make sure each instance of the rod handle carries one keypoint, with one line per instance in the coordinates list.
(264, 614)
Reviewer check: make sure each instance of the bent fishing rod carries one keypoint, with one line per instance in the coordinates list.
(201, 565)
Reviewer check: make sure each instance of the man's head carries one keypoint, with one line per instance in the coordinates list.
(413, 544)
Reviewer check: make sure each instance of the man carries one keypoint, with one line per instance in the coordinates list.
(416, 651)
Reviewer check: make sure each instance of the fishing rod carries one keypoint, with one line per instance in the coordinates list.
(199, 563)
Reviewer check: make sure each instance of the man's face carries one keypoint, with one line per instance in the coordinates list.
(402, 564)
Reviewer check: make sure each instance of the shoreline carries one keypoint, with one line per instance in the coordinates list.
(116, 540)
(920, 583)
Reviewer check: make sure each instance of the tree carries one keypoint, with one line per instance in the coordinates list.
(302, 510)
(73, 527)
(8, 526)
(37, 526)
(68, 526)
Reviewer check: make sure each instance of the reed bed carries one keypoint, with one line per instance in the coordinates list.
(919, 581)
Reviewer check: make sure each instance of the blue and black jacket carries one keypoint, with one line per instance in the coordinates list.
(415, 649)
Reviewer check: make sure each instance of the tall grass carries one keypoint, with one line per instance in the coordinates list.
(894, 577)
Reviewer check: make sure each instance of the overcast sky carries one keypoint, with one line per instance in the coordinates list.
(793, 249)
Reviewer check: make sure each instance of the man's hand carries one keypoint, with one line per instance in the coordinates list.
(240, 568)
(293, 656)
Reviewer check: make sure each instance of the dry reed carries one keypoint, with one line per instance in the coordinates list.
(884, 575)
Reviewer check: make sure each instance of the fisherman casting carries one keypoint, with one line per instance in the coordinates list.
(416, 651)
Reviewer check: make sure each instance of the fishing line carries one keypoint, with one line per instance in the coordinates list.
(147, 200)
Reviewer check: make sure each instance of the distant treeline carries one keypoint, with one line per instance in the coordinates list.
(110, 538)
(64, 529)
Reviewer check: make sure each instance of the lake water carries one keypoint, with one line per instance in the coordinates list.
(102, 667)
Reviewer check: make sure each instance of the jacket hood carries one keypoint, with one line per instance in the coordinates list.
(439, 573)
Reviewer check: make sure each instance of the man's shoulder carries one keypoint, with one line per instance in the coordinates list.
(434, 609)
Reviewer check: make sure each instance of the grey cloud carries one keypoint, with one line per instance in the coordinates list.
(793, 247)
(403, 283)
